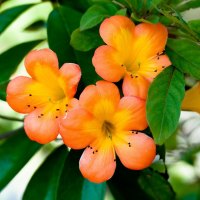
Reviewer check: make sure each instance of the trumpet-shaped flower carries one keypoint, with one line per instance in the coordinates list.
(192, 99)
(135, 53)
(106, 125)
(46, 96)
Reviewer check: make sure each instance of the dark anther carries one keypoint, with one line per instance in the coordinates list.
(158, 57)
(131, 76)
(39, 116)
(129, 144)
(122, 65)
(30, 95)
(66, 105)
(136, 76)
(135, 132)
(29, 106)
(35, 107)
(96, 150)
(90, 147)
(155, 70)
(65, 110)
(42, 114)
(57, 109)
(114, 160)
(56, 116)
(163, 67)
(93, 152)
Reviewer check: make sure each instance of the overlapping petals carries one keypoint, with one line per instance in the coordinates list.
(135, 53)
(47, 95)
(106, 125)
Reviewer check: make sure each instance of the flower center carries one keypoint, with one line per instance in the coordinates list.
(108, 129)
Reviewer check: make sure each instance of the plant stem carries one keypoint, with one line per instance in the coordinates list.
(11, 118)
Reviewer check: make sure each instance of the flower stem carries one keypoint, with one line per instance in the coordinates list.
(11, 118)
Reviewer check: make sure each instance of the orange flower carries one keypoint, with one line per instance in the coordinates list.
(135, 53)
(47, 96)
(106, 125)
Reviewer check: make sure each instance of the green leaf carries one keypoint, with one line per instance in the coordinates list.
(195, 25)
(93, 190)
(188, 5)
(164, 103)
(185, 55)
(85, 40)
(10, 59)
(73, 186)
(9, 15)
(61, 23)
(3, 87)
(155, 185)
(15, 152)
(124, 184)
(45, 181)
(96, 14)
(122, 12)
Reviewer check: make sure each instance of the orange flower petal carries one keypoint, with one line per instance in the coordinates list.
(20, 97)
(136, 151)
(192, 99)
(152, 67)
(97, 99)
(41, 128)
(107, 64)
(78, 129)
(97, 162)
(70, 75)
(137, 87)
(150, 39)
(117, 31)
(42, 65)
(131, 114)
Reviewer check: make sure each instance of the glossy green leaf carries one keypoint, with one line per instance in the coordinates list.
(15, 152)
(10, 59)
(96, 14)
(188, 5)
(85, 40)
(9, 15)
(155, 185)
(61, 23)
(185, 55)
(73, 186)
(93, 191)
(164, 103)
(3, 87)
(44, 183)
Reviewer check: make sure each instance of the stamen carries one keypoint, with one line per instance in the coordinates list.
(129, 144)
(93, 152)
(35, 107)
(90, 147)
(42, 114)
(163, 67)
(114, 160)
(136, 76)
(65, 110)
(29, 106)
(30, 95)
(134, 132)
(56, 116)
(96, 150)
(57, 109)
(131, 75)
(39, 116)
(158, 57)
(66, 105)
(155, 70)
(122, 65)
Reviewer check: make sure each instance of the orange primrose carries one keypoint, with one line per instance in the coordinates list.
(106, 125)
(135, 53)
(46, 96)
